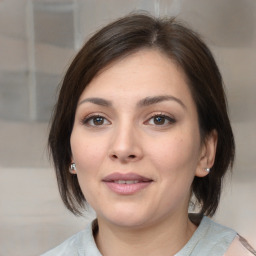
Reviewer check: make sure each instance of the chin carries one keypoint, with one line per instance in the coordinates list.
(127, 218)
(130, 223)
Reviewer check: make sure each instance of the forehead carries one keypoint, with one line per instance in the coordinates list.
(144, 73)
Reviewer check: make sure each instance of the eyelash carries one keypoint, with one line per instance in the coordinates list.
(167, 118)
(87, 119)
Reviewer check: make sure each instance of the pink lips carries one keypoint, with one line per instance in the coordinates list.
(126, 184)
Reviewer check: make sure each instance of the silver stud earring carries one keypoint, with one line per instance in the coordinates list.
(207, 170)
(72, 168)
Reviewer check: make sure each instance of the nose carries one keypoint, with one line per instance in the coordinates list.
(126, 144)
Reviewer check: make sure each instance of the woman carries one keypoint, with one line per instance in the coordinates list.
(140, 127)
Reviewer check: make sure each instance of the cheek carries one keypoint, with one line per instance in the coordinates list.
(176, 155)
(175, 161)
(87, 152)
(88, 155)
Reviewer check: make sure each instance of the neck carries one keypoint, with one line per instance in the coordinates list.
(164, 238)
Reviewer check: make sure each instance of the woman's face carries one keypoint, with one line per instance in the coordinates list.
(136, 141)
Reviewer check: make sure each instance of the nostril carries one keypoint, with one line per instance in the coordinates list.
(123, 157)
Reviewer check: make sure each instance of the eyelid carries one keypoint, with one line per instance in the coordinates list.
(168, 117)
(87, 118)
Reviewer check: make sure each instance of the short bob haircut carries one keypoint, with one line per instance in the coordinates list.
(183, 46)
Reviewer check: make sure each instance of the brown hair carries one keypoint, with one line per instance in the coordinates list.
(183, 46)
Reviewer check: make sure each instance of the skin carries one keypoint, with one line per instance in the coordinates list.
(127, 138)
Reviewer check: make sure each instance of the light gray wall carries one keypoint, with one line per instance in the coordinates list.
(37, 42)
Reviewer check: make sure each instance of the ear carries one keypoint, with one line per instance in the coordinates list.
(72, 167)
(207, 155)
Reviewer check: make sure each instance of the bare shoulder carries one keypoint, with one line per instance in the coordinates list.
(240, 247)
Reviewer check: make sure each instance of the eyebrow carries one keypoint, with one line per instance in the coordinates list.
(157, 99)
(97, 101)
(142, 103)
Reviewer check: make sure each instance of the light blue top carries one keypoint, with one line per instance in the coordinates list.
(209, 239)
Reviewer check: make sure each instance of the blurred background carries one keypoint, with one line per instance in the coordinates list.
(38, 40)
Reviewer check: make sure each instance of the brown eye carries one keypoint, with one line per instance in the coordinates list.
(159, 120)
(95, 121)
(98, 120)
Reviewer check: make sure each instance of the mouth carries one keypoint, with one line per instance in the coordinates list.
(126, 184)
(126, 181)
